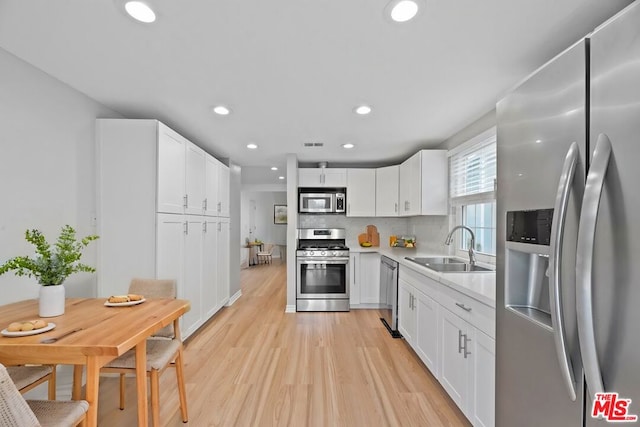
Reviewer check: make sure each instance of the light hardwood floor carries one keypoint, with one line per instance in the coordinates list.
(254, 365)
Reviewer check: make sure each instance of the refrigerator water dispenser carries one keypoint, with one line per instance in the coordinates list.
(527, 265)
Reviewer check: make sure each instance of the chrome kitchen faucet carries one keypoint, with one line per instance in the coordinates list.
(472, 253)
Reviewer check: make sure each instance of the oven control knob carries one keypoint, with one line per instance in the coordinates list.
(335, 253)
(323, 253)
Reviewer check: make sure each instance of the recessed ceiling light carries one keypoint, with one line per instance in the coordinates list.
(273, 168)
(140, 11)
(221, 110)
(404, 10)
(252, 146)
(281, 177)
(538, 141)
(348, 145)
(362, 110)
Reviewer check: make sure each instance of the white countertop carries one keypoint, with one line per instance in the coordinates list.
(479, 286)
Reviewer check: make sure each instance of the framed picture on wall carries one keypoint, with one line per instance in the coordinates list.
(279, 214)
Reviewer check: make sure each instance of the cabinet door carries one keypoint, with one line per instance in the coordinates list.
(426, 342)
(455, 369)
(361, 191)
(195, 179)
(334, 177)
(387, 187)
(211, 186)
(223, 261)
(223, 190)
(171, 171)
(192, 283)
(170, 251)
(410, 186)
(369, 278)
(484, 376)
(406, 313)
(210, 267)
(435, 182)
(310, 177)
(354, 277)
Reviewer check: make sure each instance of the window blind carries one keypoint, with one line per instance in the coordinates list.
(473, 171)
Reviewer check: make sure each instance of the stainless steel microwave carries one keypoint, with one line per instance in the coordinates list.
(322, 200)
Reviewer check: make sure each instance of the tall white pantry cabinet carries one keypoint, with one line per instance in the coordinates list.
(162, 212)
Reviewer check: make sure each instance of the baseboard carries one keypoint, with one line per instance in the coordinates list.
(290, 309)
(234, 298)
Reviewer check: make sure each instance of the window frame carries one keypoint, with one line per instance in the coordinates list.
(456, 204)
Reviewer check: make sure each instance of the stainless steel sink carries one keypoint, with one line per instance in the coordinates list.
(448, 265)
(435, 260)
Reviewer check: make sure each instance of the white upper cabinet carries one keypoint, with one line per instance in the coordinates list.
(424, 183)
(195, 179)
(322, 177)
(171, 170)
(361, 192)
(211, 186)
(223, 190)
(410, 178)
(387, 187)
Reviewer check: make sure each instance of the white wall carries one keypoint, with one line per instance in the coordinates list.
(47, 163)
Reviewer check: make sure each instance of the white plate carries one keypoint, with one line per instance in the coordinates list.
(123, 304)
(49, 327)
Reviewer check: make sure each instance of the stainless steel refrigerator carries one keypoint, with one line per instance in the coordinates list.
(568, 233)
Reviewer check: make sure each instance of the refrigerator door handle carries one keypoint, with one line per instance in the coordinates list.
(555, 265)
(584, 263)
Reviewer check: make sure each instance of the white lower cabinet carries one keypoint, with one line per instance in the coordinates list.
(223, 261)
(364, 276)
(457, 359)
(418, 323)
(457, 351)
(406, 313)
(426, 336)
(484, 380)
(210, 267)
(190, 249)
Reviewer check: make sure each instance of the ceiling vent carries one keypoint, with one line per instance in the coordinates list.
(312, 144)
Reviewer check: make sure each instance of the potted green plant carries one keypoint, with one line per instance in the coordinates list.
(51, 266)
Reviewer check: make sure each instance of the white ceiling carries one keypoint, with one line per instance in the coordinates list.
(293, 70)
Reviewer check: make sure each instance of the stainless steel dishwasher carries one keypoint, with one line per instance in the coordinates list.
(389, 295)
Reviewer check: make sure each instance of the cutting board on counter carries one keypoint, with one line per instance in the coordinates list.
(372, 235)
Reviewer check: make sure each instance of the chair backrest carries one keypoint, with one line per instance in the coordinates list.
(14, 410)
(155, 288)
(268, 248)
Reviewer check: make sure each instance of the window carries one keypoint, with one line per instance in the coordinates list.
(472, 178)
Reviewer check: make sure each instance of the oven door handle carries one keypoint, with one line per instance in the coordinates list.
(322, 261)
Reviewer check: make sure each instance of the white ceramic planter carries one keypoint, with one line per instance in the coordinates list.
(51, 301)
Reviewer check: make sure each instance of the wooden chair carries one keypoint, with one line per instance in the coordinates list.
(16, 411)
(265, 256)
(164, 349)
(28, 377)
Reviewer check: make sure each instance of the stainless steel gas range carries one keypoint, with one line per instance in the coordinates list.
(322, 270)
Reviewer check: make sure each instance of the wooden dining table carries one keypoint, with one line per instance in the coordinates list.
(101, 334)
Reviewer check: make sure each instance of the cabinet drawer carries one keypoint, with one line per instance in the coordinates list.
(479, 315)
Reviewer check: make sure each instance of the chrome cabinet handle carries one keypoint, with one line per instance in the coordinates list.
(459, 341)
(185, 200)
(466, 341)
(204, 226)
(584, 263)
(395, 208)
(555, 266)
(204, 205)
(186, 227)
(462, 306)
